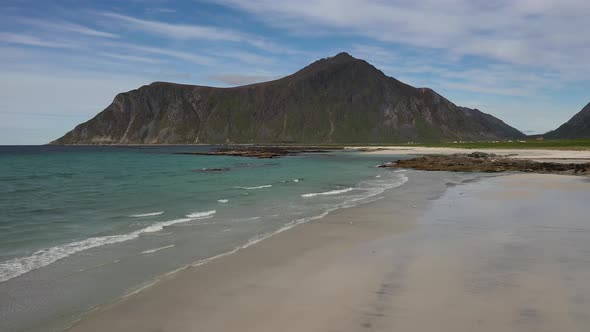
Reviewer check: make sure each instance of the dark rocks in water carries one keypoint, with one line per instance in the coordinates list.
(339, 99)
(389, 164)
(490, 163)
(259, 152)
(213, 170)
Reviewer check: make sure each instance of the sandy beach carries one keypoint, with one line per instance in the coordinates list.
(451, 252)
(541, 155)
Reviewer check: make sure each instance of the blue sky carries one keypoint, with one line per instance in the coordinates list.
(61, 62)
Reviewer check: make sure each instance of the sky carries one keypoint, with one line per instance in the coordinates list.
(61, 62)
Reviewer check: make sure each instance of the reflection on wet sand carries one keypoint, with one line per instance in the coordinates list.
(507, 253)
(502, 254)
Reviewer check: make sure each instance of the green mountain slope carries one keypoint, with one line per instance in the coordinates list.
(334, 100)
(577, 127)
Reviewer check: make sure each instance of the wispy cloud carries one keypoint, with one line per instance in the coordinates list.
(198, 32)
(68, 27)
(160, 10)
(439, 72)
(131, 58)
(191, 57)
(28, 40)
(177, 31)
(534, 33)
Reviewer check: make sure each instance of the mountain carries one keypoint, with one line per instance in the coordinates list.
(577, 127)
(334, 100)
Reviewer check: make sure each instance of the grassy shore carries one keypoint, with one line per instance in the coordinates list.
(565, 144)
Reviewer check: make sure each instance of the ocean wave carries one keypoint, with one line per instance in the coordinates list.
(149, 214)
(293, 180)
(369, 197)
(151, 251)
(223, 200)
(331, 192)
(258, 187)
(202, 214)
(21, 265)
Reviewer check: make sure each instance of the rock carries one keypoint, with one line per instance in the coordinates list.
(206, 170)
(389, 164)
(489, 163)
(260, 152)
(481, 155)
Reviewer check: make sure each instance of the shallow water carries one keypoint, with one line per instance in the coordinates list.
(496, 254)
(83, 225)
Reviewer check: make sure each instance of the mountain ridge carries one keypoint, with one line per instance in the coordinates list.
(338, 99)
(576, 127)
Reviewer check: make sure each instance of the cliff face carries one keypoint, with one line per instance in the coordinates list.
(577, 127)
(334, 100)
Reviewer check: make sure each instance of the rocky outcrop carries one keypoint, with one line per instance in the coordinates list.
(259, 152)
(577, 127)
(334, 100)
(489, 163)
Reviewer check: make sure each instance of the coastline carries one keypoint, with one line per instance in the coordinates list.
(539, 155)
(354, 268)
(338, 231)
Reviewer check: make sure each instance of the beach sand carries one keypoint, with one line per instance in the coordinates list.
(541, 155)
(441, 253)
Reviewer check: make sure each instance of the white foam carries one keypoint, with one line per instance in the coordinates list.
(223, 200)
(21, 265)
(202, 214)
(149, 214)
(258, 187)
(332, 192)
(254, 240)
(151, 251)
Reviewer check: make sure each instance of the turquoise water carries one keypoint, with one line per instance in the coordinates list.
(119, 217)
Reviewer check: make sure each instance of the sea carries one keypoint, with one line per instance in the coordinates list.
(83, 226)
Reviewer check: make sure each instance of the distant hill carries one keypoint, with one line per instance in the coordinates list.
(334, 100)
(577, 127)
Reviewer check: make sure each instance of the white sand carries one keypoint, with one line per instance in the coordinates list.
(482, 257)
(569, 156)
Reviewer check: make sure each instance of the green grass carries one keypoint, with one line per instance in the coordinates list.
(562, 144)
(565, 144)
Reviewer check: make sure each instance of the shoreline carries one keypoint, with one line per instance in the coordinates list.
(333, 220)
(351, 269)
(539, 155)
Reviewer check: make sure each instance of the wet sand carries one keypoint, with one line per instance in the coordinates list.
(442, 253)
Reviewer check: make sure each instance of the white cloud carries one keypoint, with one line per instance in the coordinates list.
(191, 57)
(540, 33)
(160, 10)
(177, 31)
(28, 40)
(68, 27)
(438, 72)
(199, 32)
(131, 58)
